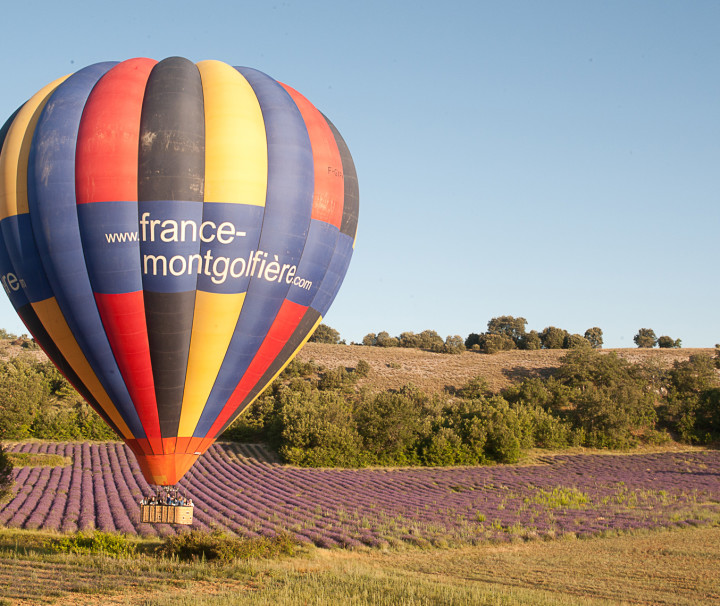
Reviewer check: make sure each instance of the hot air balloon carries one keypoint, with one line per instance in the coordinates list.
(171, 234)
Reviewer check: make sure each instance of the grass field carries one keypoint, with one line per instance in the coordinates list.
(662, 567)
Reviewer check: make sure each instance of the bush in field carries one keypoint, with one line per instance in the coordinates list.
(317, 429)
(324, 334)
(6, 475)
(389, 424)
(509, 326)
(530, 341)
(454, 344)
(197, 546)
(105, 543)
(594, 336)
(573, 341)
(645, 337)
(666, 342)
(552, 337)
(23, 387)
(692, 393)
(609, 401)
(494, 343)
(384, 339)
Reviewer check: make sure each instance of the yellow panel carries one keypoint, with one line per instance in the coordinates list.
(54, 322)
(235, 139)
(216, 315)
(15, 152)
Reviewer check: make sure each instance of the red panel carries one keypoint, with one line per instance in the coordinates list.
(107, 144)
(282, 328)
(123, 316)
(329, 183)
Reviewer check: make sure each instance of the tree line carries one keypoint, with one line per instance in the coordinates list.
(319, 417)
(503, 333)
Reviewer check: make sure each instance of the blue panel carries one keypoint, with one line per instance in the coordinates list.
(51, 198)
(23, 253)
(335, 274)
(285, 227)
(12, 280)
(316, 257)
(109, 232)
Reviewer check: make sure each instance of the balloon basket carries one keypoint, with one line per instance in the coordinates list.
(166, 514)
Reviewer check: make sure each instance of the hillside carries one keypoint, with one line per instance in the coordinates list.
(393, 367)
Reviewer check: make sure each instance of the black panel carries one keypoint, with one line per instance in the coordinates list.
(171, 167)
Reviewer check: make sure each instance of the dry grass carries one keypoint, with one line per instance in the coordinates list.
(391, 368)
(664, 567)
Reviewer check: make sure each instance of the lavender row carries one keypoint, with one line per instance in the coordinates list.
(578, 494)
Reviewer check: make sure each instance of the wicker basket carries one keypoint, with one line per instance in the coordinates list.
(166, 514)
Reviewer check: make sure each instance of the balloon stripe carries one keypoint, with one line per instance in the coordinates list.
(235, 142)
(106, 193)
(171, 176)
(328, 195)
(284, 231)
(235, 174)
(107, 149)
(215, 317)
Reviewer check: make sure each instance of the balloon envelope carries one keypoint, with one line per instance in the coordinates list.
(171, 234)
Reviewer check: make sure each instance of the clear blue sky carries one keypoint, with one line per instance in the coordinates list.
(555, 160)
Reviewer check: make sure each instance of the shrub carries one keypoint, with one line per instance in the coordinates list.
(324, 334)
(573, 341)
(6, 475)
(362, 369)
(530, 341)
(666, 342)
(23, 387)
(494, 343)
(454, 344)
(317, 429)
(552, 337)
(105, 543)
(645, 337)
(196, 545)
(594, 336)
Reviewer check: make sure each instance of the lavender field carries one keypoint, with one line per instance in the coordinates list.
(237, 489)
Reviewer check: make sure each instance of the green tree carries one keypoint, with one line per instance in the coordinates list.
(6, 475)
(324, 334)
(494, 343)
(666, 342)
(509, 326)
(384, 339)
(610, 402)
(691, 385)
(370, 339)
(23, 387)
(552, 337)
(575, 340)
(594, 336)
(645, 338)
(454, 344)
(530, 341)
